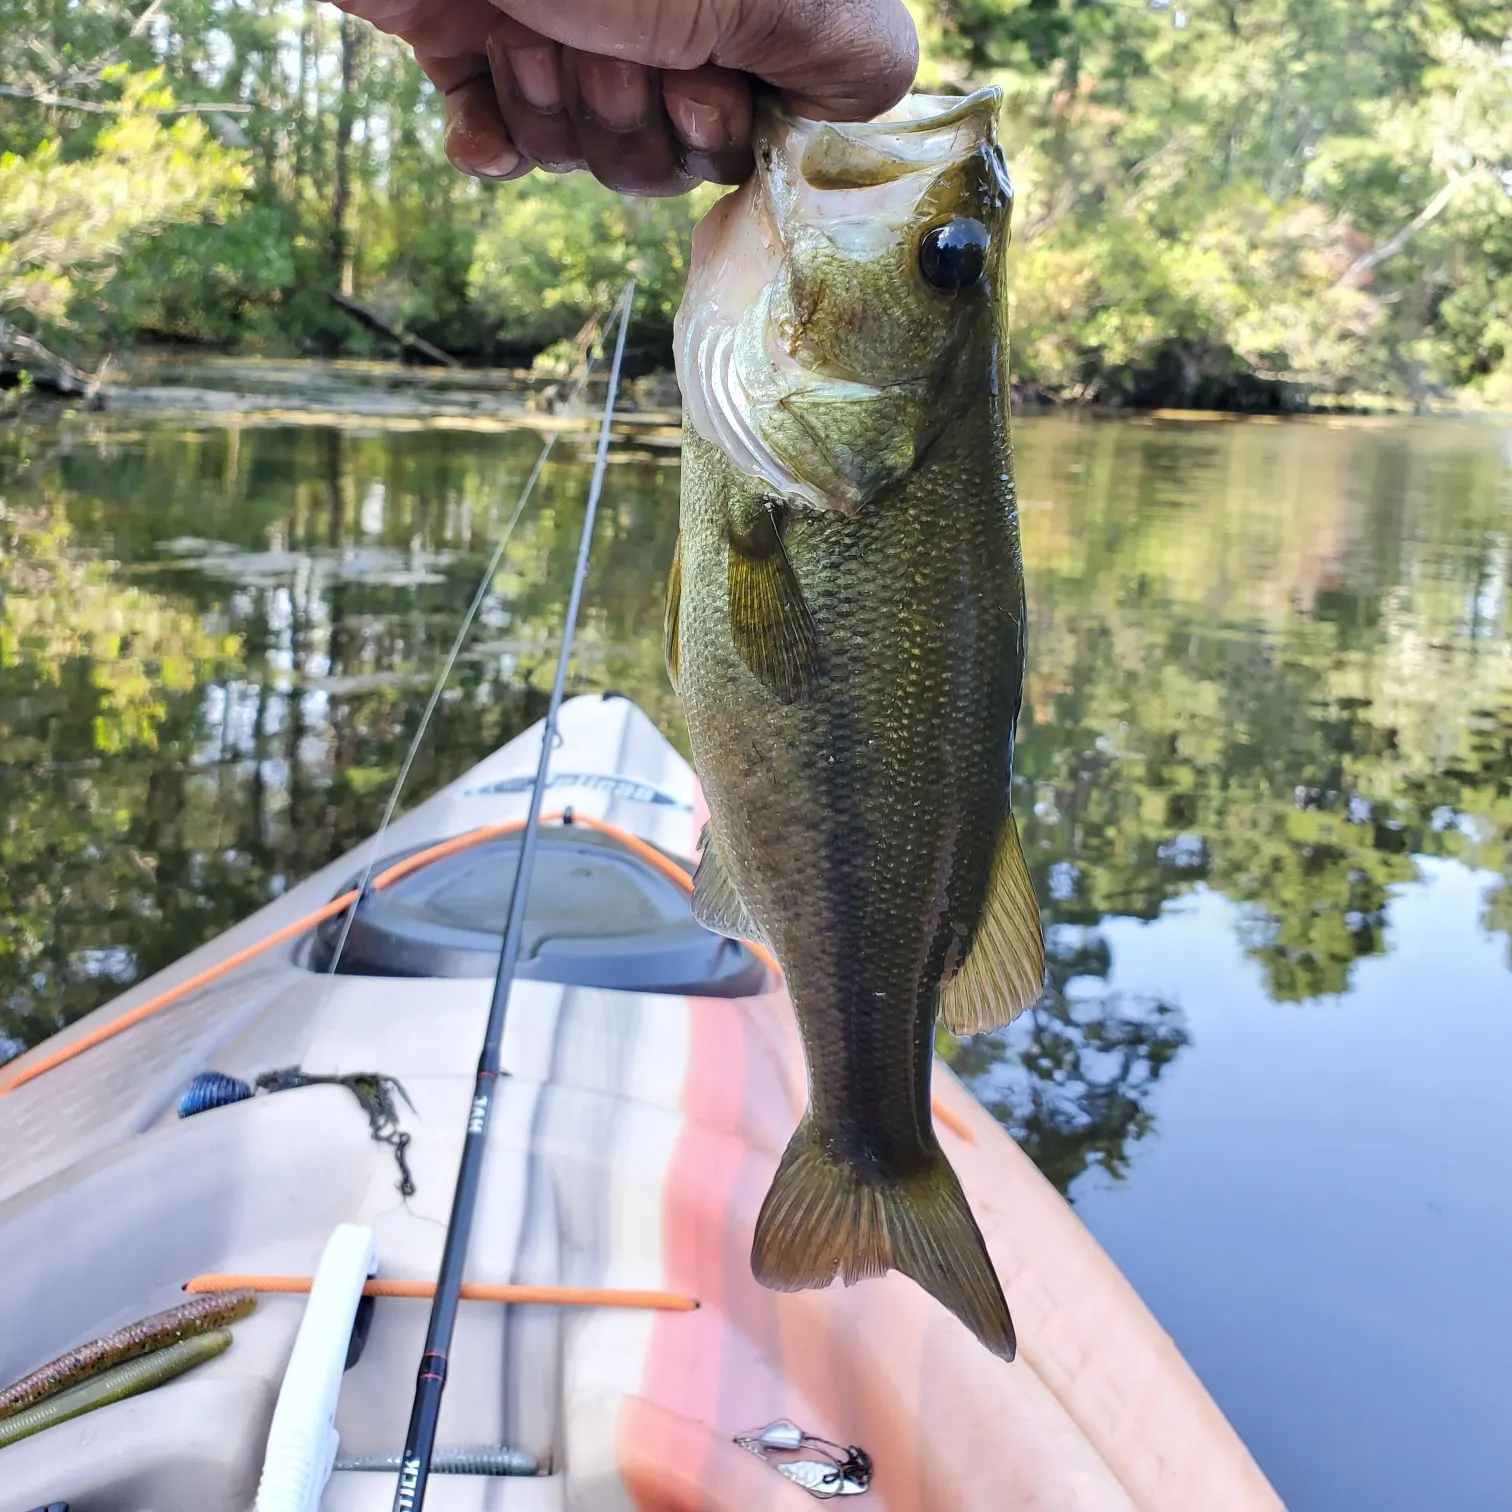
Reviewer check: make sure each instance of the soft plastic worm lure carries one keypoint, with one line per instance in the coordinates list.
(115, 1385)
(197, 1316)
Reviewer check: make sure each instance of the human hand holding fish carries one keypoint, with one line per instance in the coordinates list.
(650, 96)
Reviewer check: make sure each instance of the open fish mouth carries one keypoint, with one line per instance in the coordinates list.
(849, 192)
(922, 112)
(920, 132)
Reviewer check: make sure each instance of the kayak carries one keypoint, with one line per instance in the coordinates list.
(249, 1121)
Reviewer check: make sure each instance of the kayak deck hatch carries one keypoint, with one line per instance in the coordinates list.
(598, 916)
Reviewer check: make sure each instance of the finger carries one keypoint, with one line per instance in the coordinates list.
(710, 110)
(658, 33)
(477, 141)
(626, 139)
(528, 85)
(447, 38)
(836, 59)
(620, 97)
(450, 71)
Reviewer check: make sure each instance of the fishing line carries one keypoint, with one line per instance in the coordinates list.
(425, 1412)
(463, 630)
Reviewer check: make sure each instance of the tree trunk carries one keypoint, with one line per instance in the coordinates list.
(302, 112)
(1359, 270)
(341, 198)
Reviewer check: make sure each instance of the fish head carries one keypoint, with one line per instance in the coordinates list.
(845, 304)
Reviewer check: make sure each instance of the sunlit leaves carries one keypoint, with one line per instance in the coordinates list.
(65, 221)
(1184, 225)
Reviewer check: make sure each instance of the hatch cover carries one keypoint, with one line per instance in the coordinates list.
(597, 916)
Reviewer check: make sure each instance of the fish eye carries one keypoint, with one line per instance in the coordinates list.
(953, 256)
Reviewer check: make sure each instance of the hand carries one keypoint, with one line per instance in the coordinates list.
(650, 96)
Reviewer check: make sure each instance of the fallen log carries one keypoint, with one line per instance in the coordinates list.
(20, 353)
(375, 322)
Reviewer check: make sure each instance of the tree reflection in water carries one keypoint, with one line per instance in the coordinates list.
(1070, 1079)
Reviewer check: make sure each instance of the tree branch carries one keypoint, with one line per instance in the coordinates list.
(145, 20)
(375, 322)
(111, 107)
(1355, 273)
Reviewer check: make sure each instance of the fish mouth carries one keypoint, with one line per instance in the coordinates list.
(986, 102)
(922, 134)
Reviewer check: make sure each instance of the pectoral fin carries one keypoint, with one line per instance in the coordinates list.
(716, 904)
(771, 625)
(673, 614)
(1004, 969)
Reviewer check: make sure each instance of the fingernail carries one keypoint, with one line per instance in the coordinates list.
(702, 127)
(617, 94)
(537, 74)
(502, 166)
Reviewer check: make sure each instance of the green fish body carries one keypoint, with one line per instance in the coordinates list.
(845, 628)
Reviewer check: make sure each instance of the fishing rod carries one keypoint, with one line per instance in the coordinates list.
(425, 1413)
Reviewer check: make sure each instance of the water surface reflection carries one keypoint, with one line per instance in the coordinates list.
(1267, 734)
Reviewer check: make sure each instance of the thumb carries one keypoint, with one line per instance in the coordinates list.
(839, 60)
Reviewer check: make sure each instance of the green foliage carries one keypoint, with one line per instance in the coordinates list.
(65, 221)
(552, 253)
(201, 284)
(1267, 200)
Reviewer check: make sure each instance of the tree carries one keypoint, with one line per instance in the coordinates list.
(66, 221)
(1071, 1079)
(1267, 202)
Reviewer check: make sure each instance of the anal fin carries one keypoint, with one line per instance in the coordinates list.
(1004, 969)
(716, 903)
(771, 626)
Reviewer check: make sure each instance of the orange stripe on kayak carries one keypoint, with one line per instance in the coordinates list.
(316, 917)
(472, 1291)
(443, 848)
(685, 1368)
(956, 1125)
(669, 869)
(173, 994)
(664, 864)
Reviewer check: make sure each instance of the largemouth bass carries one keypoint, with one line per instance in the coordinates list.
(845, 626)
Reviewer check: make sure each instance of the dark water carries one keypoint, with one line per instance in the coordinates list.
(1265, 774)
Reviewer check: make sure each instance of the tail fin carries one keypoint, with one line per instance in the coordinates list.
(824, 1218)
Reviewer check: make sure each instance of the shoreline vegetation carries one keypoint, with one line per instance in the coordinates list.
(1264, 207)
(229, 389)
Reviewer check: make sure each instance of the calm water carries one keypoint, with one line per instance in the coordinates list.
(1265, 775)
